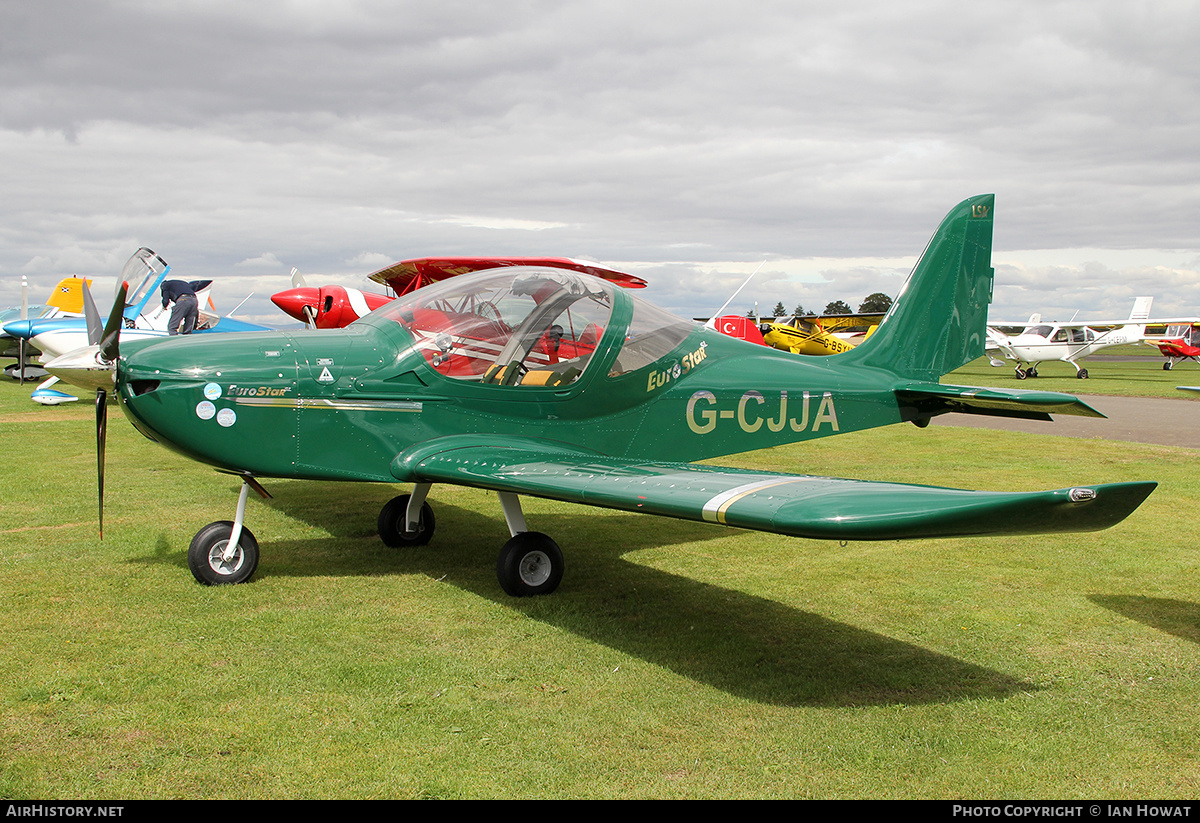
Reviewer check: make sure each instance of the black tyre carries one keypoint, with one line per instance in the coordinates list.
(391, 523)
(530, 564)
(211, 560)
(1082, 374)
(1032, 372)
(1167, 366)
(1021, 375)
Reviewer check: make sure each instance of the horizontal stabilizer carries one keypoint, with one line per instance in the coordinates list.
(926, 400)
(796, 505)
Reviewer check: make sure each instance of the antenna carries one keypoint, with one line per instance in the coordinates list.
(712, 321)
(239, 305)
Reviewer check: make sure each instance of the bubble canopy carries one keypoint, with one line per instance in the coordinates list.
(529, 326)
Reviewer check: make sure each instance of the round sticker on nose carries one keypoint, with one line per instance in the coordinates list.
(212, 391)
(205, 410)
(226, 417)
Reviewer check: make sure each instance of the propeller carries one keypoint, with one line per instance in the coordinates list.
(109, 349)
(24, 316)
(91, 314)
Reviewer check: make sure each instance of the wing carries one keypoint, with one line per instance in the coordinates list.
(847, 322)
(408, 275)
(796, 505)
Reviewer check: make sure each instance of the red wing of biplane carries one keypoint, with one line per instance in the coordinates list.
(335, 307)
(410, 275)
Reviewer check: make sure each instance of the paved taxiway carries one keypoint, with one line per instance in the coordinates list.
(1138, 419)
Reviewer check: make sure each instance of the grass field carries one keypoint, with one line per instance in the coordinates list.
(677, 660)
(1128, 371)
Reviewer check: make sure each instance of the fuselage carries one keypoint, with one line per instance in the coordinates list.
(620, 379)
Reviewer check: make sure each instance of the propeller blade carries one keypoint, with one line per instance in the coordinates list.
(24, 316)
(101, 436)
(109, 350)
(110, 342)
(297, 279)
(95, 324)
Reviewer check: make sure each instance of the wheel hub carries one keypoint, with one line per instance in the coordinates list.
(535, 568)
(222, 560)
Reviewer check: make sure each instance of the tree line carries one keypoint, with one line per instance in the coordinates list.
(874, 303)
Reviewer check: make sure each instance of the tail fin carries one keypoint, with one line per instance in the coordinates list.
(67, 296)
(939, 320)
(1141, 309)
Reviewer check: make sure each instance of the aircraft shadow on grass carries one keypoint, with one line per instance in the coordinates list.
(744, 645)
(1180, 618)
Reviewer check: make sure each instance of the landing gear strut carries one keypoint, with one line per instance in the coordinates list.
(226, 552)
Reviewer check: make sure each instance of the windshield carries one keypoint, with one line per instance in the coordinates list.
(143, 270)
(513, 327)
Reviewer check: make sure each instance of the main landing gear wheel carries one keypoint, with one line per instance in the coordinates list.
(391, 524)
(1022, 374)
(214, 562)
(1167, 366)
(1031, 371)
(1082, 374)
(530, 564)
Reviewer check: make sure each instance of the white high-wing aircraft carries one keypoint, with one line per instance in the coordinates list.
(1040, 341)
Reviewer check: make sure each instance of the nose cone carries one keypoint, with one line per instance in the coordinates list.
(19, 328)
(293, 302)
(83, 368)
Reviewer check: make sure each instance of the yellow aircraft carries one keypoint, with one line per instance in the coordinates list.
(812, 335)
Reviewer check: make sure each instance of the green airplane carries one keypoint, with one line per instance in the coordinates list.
(549, 383)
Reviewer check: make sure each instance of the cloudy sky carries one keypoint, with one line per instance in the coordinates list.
(686, 142)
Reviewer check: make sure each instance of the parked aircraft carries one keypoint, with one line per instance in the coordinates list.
(64, 300)
(454, 383)
(809, 334)
(334, 307)
(804, 335)
(1040, 342)
(737, 326)
(144, 317)
(1181, 341)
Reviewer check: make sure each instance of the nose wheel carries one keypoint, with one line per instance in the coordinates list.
(215, 559)
(226, 552)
